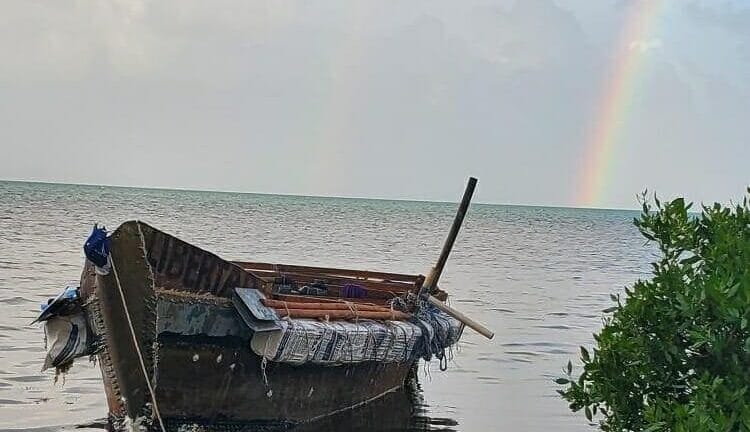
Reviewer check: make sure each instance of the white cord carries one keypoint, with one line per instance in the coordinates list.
(135, 342)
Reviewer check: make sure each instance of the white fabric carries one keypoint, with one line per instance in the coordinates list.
(67, 338)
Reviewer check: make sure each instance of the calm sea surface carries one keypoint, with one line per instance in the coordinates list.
(539, 277)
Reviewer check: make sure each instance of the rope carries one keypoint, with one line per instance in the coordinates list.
(135, 342)
(264, 362)
(353, 309)
(443, 362)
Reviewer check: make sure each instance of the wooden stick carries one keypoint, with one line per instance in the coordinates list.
(341, 314)
(328, 299)
(278, 304)
(432, 278)
(479, 328)
(341, 273)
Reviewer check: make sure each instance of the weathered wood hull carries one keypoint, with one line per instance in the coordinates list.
(221, 382)
(194, 347)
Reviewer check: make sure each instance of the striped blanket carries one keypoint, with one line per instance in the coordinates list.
(336, 342)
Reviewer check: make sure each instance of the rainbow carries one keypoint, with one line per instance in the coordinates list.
(611, 109)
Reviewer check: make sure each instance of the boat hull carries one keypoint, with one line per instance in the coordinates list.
(194, 349)
(221, 380)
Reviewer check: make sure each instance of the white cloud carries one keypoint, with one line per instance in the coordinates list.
(646, 45)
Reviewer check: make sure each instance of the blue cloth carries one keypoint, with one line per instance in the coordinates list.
(66, 303)
(96, 247)
(439, 331)
(353, 291)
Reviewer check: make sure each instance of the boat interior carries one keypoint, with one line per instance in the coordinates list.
(299, 287)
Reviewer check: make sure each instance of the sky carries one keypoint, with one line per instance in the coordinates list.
(562, 103)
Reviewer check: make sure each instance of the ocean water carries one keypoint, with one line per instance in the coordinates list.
(539, 277)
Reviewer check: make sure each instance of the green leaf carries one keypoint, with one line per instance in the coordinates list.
(691, 260)
(562, 381)
(570, 367)
(675, 353)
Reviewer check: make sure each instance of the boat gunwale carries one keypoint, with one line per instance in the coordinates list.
(344, 273)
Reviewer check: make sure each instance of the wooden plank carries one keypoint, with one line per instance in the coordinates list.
(312, 277)
(328, 299)
(341, 314)
(307, 279)
(280, 304)
(288, 268)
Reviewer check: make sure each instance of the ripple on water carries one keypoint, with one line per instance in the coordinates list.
(15, 300)
(27, 378)
(507, 311)
(538, 277)
(554, 327)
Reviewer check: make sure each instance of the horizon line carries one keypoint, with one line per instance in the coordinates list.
(181, 189)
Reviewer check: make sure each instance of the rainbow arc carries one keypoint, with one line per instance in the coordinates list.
(611, 109)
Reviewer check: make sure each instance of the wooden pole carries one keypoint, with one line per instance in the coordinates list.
(431, 281)
(332, 314)
(479, 328)
(432, 278)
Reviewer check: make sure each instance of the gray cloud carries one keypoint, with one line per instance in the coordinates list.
(732, 17)
(367, 99)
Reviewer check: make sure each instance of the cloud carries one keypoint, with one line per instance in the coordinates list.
(528, 34)
(373, 98)
(646, 45)
(729, 16)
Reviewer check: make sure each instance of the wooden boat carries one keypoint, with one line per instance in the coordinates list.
(179, 332)
(195, 348)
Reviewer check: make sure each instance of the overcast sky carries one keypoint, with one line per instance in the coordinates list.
(396, 99)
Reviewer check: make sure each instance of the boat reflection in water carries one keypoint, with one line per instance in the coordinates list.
(403, 410)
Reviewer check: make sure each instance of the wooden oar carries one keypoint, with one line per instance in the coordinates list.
(431, 281)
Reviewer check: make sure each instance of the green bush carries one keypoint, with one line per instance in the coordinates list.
(675, 355)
